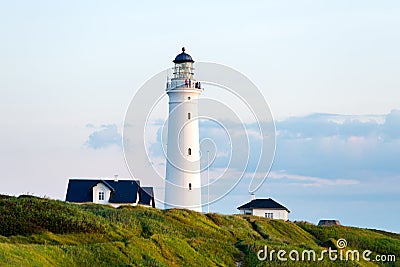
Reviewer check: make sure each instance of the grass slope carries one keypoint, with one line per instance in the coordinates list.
(43, 232)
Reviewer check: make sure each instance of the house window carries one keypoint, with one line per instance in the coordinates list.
(247, 212)
(189, 151)
(190, 186)
(269, 215)
(101, 195)
(189, 115)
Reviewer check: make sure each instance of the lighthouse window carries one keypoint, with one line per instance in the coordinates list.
(190, 186)
(188, 97)
(189, 116)
(189, 151)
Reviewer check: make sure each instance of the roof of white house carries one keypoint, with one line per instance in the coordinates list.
(328, 222)
(147, 196)
(122, 191)
(263, 203)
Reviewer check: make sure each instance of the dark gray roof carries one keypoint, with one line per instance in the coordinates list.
(122, 191)
(183, 57)
(263, 203)
(328, 222)
(147, 196)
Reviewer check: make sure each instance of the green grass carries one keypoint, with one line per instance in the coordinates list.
(44, 232)
(30, 215)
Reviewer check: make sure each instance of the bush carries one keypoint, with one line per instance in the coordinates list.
(30, 215)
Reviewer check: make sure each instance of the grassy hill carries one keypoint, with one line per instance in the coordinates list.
(43, 232)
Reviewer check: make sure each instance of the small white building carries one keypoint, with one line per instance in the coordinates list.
(267, 208)
(110, 192)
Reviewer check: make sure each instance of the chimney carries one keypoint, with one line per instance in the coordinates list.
(252, 196)
(115, 177)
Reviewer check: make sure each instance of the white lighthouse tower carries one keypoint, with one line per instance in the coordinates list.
(183, 183)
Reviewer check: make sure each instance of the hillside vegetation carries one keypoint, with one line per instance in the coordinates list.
(43, 232)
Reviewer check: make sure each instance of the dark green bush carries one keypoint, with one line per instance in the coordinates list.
(30, 215)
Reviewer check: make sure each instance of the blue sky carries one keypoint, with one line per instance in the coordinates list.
(328, 69)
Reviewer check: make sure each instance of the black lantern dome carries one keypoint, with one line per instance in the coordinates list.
(183, 57)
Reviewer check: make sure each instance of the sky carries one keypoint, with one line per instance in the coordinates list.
(329, 71)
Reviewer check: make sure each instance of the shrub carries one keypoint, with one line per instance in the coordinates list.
(29, 215)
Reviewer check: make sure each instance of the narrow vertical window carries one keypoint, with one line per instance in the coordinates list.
(189, 115)
(101, 195)
(189, 151)
(188, 97)
(190, 186)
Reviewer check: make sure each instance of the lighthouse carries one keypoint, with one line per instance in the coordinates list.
(182, 179)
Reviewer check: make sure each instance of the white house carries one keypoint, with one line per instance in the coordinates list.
(111, 192)
(267, 208)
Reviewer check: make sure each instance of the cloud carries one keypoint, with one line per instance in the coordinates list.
(106, 136)
(309, 181)
(326, 145)
(385, 127)
(391, 128)
(323, 147)
(323, 125)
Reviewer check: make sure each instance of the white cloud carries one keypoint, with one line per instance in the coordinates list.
(385, 127)
(310, 181)
(106, 136)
